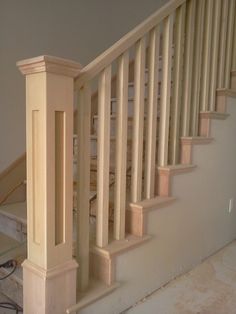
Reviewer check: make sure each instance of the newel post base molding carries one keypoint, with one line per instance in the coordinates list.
(49, 291)
(49, 273)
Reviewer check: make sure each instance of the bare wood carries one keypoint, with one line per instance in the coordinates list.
(104, 100)
(121, 146)
(165, 90)
(151, 121)
(9, 193)
(177, 83)
(223, 39)
(188, 66)
(230, 40)
(207, 56)
(13, 165)
(83, 186)
(234, 47)
(215, 54)
(197, 67)
(106, 58)
(137, 148)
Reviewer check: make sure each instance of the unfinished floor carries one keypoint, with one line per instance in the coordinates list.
(210, 288)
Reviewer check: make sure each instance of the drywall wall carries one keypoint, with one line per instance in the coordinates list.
(75, 29)
(186, 232)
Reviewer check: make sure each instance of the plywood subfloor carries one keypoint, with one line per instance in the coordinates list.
(210, 288)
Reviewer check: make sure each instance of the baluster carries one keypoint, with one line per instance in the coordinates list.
(223, 37)
(197, 67)
(207, 56)
(215, 54)
(151, 122)
(138, 121)
(83, 184)
(103, 156)
(188, 65)
(177, 83)
(234, 43)
(165, 90)
(229, 47)
(121, 146)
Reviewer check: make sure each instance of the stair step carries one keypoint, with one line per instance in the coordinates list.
(12, 286)
(13, 220)
(95, 291)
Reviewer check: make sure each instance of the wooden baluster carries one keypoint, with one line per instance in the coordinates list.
(103, 156)
(234, 43)
(83, 184)
(177, 83)
(151, 122)
(215, 54)
(188, 66)
(165, 90)
(138, 121)
(197, 67)
(121, 146)
(207, 56)
(222, 49)
(229, 47)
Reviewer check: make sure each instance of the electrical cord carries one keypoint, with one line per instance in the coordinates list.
(9, 264)
(7, 305)
(11, 306)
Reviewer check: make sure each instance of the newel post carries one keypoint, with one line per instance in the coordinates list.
(49, 273)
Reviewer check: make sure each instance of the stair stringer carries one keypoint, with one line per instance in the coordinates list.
(186, 231)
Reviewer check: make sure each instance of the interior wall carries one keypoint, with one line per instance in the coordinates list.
(76, 29)
(185, 233)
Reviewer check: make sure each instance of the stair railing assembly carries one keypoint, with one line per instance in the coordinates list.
(181, 56)
(188, 46)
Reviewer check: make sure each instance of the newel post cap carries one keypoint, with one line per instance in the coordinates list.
(49, 64)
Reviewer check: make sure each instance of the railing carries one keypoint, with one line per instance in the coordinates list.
(181, 55)
(201, 35)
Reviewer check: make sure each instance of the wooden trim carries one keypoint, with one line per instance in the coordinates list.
(229, 43)
(12, 166)
(137, 214)
(178, 83)
(103, 148)
(187, 147)
(214, 115)
(121, 147)
(188, 65)
(9, 193)
(176, 169)
(106, 58)
(151, 120)
(196, 140)
(138, 121)
(165, 91)
(164, 177)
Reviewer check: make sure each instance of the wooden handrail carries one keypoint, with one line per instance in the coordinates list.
(108, 56)
(5, 197)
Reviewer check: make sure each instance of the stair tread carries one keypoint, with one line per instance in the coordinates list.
(10, 247)
(120, 246)
(16, 211)
(95, 291)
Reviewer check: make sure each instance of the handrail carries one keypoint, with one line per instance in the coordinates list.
(9, 193)
(109, 55)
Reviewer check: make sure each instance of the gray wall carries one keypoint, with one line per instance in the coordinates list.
(74, 29)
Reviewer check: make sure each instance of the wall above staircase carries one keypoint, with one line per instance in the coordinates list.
(76, 30)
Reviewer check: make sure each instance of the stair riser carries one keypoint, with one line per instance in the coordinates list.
(13, 228)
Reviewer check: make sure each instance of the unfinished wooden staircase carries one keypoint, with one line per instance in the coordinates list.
(141, 107)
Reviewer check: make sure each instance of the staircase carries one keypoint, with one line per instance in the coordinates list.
(143, 106)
